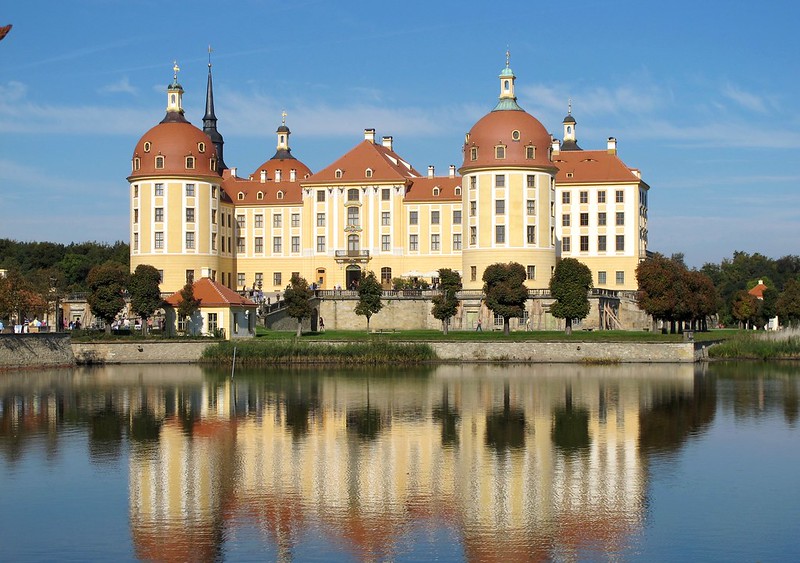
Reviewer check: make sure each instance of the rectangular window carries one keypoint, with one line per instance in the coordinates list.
(584, 197)
(473, 182)
(457, 241)
(500, 206)
(213, 241)
(386, 194)
(530, 152)
(620, 242)
(189, 276)
(566, 244)
(473, 208)
(259, 245)
(473, 153)
(240, 279)
(320, 219)
(353, 216)
(500, 234)
(531, 272)
(190, 214)
(159, 214)
(189, 240)
(473, 273)
(386, 218)
(584, 219)
(601, 278)
(456, 217)
(531, 234)
(531, 206)
(531, 181)
(413, 242)
(189, 190)
(320, 195)
(135, 215)
(159, 239)
(240, 245)
(500, 181)
(435, 242)
(277, 221)
(565, 197)
(259, 221)
(620, 277)
(565, 220)
(295, 244)
(159, 189)
(620, 196)
(277, 245)
(277, 278)
(259, 280)
(620, 217)
(413, 218)
(601, 243)
(295, 219)
(136, 190)
(584, 243)
(386, 243)
(601, 197)
(321, 244)
(240, 221)
(473, 236)
(500, 151)
(136, 241)
(434, 217)
(213, 216)
(601, 218)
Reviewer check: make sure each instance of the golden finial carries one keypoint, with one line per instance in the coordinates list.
(283, 117)
(176, 69)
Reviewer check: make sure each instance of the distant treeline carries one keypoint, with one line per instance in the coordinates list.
(69, 264)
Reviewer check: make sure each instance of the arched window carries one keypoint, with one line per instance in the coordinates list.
(338, 173)
(436, 191)
(240, 196)
(190, 163)
(260, 195)
(280, 195)
(368, 173)
(147, 146)
(159, 162)
(458, 190)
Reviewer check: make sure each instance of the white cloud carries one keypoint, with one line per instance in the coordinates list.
(123, 85)
(746, 100)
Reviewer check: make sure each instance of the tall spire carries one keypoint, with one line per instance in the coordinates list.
(570, 130)
(210, 119)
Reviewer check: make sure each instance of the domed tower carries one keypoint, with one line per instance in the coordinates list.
(570, 131)
(175, 199)
(508, 191)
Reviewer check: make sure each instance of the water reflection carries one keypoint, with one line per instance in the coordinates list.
(521, 462)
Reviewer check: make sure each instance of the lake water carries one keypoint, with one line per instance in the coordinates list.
(447, 463)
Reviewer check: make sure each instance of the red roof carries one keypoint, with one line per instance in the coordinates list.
(422, 189)
(385, 166)
(758, 290)
(212, 294)
(576, 167)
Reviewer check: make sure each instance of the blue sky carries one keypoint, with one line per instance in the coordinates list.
(701, 97)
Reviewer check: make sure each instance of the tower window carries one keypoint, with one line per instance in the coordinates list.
(473, 153)
(500, 151)
(530, 152)
(147, 146)
(213, 164)
(190, 163)
(137, 163)
(159, 162)
(515, 135)
(201, 146)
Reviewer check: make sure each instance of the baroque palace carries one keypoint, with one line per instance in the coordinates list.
(520, 195)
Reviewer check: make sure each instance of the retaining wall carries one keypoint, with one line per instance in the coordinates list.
(146, 352)
(19, 351)
(566, 352)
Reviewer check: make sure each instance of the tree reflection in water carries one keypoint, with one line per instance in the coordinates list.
(505, 428)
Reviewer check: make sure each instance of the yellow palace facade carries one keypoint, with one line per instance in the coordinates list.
(520, 195)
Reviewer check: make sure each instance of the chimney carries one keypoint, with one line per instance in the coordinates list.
(452, 170)
(277, 175)
(369, 135)
(233, 172)
(430, 171)
(612, 145)
(556, 146)
(292, 175)
(263, 176)
(387, 142)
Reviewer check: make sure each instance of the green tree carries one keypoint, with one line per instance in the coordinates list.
(369, 296)
(145, 293)
(296, 296)
(505, 291)
(570, 286)
(445, 305)
(106, 283)
(657, 280)
(744, 308)
(788, 303)
(188, 305)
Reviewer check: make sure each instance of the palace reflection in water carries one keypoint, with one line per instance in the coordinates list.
(518, 462)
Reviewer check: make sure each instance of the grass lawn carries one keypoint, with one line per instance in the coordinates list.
(471, 336)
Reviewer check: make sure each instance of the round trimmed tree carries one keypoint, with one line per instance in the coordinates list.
(570, 286)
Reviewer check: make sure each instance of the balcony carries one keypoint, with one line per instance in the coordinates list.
(352, 256)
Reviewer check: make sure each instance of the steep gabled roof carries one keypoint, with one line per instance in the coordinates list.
(385, 164)
(758, 290)
(421, 189)
(581, 166)
(251, 187)
(212, 294)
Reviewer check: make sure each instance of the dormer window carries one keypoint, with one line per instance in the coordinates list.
(458, 190)
(515, 135)
(473, 153)
(201, 147)
(260, 196)
(368, 173)
(147, 146)
(137, 163)
(190, 163)
(240, 196)
(436, 191)
(500, 151)
(280, 195)
(159, 162)
(530, 152)
(213, 164)
(338, 173)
